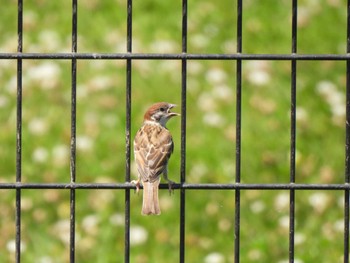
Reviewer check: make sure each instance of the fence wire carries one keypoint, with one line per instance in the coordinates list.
(184, 57)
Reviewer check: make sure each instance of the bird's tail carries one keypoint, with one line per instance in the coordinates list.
(150, 204)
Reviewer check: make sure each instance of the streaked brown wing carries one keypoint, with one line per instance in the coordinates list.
(153, 146)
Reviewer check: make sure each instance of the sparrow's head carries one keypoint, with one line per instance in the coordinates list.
(160, 113)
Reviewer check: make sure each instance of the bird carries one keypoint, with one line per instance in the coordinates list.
(153, 146)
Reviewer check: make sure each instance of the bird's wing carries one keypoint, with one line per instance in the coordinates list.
(153, 146)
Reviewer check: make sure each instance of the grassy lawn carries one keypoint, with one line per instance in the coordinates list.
(211, 106)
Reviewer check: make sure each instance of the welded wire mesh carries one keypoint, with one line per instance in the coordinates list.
(74, 56)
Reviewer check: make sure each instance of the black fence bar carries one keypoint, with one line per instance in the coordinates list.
(128, 133)
(237, 226)
(174, 56)
(73, 129)
(19, 131)
(293, 131)
(347, 145)
(183, 133)
(235, 186)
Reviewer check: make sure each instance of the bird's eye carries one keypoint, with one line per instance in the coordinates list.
(162, 109)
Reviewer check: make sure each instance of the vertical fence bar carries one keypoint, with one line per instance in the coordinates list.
(73, 131)
(19, 131)
(347, 144)
(293, 132)
(238, 132)
(183, 132)
(127, 135)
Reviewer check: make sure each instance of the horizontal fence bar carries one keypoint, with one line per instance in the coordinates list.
(235, 186)
(140, 56)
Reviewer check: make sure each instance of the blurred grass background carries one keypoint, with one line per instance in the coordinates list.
(210, 131)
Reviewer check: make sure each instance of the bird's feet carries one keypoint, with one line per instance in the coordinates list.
(137, 184)
(170, 185)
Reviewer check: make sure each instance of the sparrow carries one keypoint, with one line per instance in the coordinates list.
(153, 146)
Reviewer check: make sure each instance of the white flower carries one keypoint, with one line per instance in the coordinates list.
(3, 101)
(216, 76)
(9, 45)
(258, 72)
(62, 230)
(90, 224)
(164, 46)
(282, 201)
(325, 88)
(11, 246)
(30, 19)
(11, 85)
(299, 238)
(40, 155)
(257, 207)
(44, 70)
(223, 92)
(339, 225)
(224, 225)
(82, 91)
(26, 203)
(338, 110)
(47, 74)
(301, 114)
(138, 235)
(45, 259)
(117, 219)
(259, 77)
(100, 83)
(206, 102)
(303, 16)
(194, 67)
(284, 222)
(254, 254)
(90, 221)
(213, 119)
(296, 260)
(335, 98)
(38, 126)
(84, 143)
(319, 201)
(214, 257)
(49, 40)
(198, 170)
(229, 46)
(60, 154)
(212, 208)
(199, 40)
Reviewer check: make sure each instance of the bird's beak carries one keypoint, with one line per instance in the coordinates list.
(172, 114)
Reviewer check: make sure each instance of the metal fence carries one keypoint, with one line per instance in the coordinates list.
(184, 57)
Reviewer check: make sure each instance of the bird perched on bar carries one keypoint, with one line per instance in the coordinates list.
(153, 146)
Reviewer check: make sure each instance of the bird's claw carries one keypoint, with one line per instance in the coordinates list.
(170, 185)
(137, 184)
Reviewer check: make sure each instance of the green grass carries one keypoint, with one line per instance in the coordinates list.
(210, 150)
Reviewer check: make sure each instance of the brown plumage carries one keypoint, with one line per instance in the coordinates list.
(153, 146)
